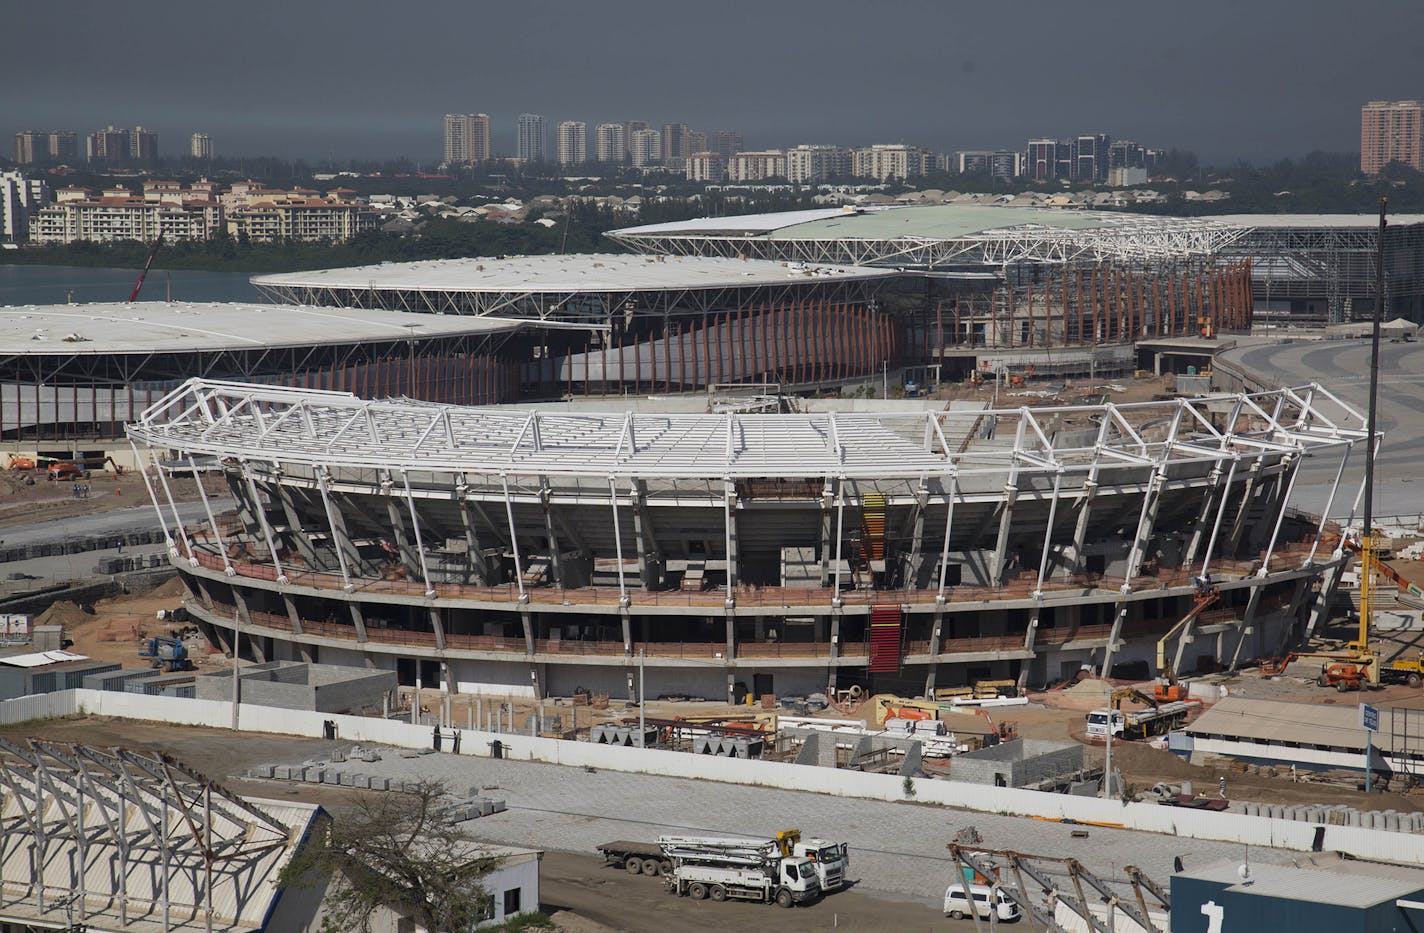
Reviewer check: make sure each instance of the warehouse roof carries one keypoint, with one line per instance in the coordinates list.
(1283, 722)
(567, 274)
(1345, 884)
(180, 326)
(1316, 220)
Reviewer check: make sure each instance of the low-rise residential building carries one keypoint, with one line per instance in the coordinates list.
(756, 166)
(706, 166)
(807, 165)
(296, 216)
(109, 218)
(886, 161)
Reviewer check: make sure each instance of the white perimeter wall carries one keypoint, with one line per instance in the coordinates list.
(1147, 817)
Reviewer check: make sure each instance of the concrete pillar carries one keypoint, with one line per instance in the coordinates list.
(935, 630)
(358, 621)
(650, 558)
(998, 568)
(437, 626)
(292, 615)
(475, 559)
(917, 536)
(295, 535)
(827, 525)
(526, 618)
(1120, 608)
(357, 564)
(555, 557)
(396, 515)
(730, 505)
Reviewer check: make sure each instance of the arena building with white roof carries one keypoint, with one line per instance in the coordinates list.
(542, 548)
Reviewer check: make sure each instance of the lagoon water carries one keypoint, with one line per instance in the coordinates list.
(36, 285)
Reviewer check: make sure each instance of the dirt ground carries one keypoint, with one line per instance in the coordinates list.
(113, 630)
(28, 497)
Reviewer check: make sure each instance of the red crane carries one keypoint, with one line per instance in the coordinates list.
(138, 286)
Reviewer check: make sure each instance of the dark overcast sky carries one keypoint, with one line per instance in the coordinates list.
(1256, 79)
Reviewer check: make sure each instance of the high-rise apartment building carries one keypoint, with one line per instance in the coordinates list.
(467, 138)
(1090, 157)
(696, 142)
(1042, 159)
(201, 146)
(706, 166)
(728, 143)
(531, 137)
(110, 145)
(646, 148)
(1391, 131)
(143, 145)
(573, 142)
(806, 165)
(886, 161)
(674, 144)
(20, 197)
(32, 148)
(610, 146)
(629, 128)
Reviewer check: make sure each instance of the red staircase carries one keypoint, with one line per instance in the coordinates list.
(885, 630)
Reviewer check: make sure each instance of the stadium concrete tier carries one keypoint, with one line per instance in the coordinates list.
(890, 544)
(71, 376)
(615, 322)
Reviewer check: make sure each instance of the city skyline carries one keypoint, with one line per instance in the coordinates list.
(945, 79)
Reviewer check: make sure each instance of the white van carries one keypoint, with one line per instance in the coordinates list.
(956, 902)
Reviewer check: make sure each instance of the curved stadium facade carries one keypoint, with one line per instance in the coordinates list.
(541, 549)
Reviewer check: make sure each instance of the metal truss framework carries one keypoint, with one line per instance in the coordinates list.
(115, 837)
(1128, 237)
(1334, 264)
(331, 429)
(592, 307)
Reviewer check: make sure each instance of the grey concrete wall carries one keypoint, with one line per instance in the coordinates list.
(1021, 762)
(321, 688)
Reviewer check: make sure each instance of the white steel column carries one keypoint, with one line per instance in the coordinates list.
(173, 507)
(415, 528)
(1220, 514)
(262, 520)
(618, 541)
(840, 536)
(153, 497)
(948, 525)
(1329, 503)
(1280, 515)
(513, 539)
(323, 476)
(1048, 536)
(212, 520)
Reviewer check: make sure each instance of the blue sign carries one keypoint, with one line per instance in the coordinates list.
(1369, 717)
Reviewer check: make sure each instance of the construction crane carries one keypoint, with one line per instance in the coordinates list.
(1167, 687)
(138, 286)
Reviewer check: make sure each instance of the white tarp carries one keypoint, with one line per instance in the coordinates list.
(41, 658)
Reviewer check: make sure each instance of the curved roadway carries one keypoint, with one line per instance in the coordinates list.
(1343, 367)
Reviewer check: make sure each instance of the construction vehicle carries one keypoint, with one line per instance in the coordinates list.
(1168, 689)
(1157, 719)
(1407, 671)
(1343, 677)
(20, 462)
(957, 899)
(65, 469)
(725, 868)
(831, 858)
(636, 858)
(166, 654)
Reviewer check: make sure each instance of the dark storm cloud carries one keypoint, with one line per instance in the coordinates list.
(372, 77)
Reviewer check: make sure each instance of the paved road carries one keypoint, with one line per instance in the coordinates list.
(135, 518)
(897, 849)
(1342, 366)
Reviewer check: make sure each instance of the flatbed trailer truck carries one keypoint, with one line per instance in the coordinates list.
(636, 858)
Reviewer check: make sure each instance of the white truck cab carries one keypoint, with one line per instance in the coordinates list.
(831, 860)
(984, 899)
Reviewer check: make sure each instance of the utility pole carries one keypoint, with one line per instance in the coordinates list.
(1367, 549)
(1107, 757)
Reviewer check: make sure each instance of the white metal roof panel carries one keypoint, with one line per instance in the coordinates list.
(568, 274)
(41, 658)
(740, 224)
(181, 326)
(1359, 889)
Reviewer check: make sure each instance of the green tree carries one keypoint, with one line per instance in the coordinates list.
(399, 851)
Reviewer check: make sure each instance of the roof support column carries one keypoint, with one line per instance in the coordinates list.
(997, 568)
(917, 535)
(1204, 514)
(944, 547)
(437, 625)
(1146, 523)
(840, 540)
(404, 549)
(827, 498)
(356, 565)
(618, 544)
(514, 546)
(1248, 496)
(474, 555)
(555, 558)
(729, 509)
(177, 520)
(650, 558)
(1047, 541)
(419, 544)
(1119, 616)
(1222, 499)
(255, 504)
(1325, 512)
(212, 520)
(935, 629)
(1282, 501)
